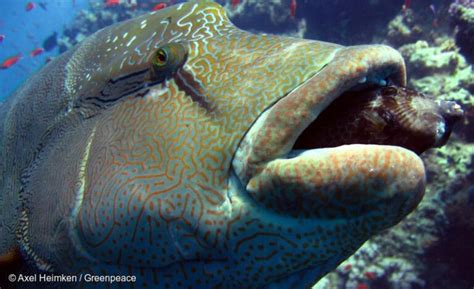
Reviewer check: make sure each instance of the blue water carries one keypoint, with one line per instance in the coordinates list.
(25, 31)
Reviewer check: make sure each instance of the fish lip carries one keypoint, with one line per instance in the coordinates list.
(452, 113)
(271, 137)
(251, 147)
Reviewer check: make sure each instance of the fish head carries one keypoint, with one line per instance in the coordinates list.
(184, 126)
(331, 199)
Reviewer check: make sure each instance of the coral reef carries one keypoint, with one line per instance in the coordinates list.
(97, 17)
(450, 256)
(367, 268)
(404, 29)
(462, 17)
(273, 17)
(424, 20)
(439, 70)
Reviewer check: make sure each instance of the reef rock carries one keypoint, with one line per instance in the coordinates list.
(462, 17)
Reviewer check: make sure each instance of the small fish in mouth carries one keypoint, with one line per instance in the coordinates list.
(389, 115)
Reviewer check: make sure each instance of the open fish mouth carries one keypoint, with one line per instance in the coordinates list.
(290, 163)
(385, 115)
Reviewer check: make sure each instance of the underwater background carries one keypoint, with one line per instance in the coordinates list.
(434, 246)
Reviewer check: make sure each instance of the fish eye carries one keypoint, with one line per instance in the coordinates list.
(389, 91)
(166, 61)
(161, 57)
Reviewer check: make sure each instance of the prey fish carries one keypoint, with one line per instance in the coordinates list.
(387, 115)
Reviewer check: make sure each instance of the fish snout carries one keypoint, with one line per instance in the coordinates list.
(289, 168)
(451, 113)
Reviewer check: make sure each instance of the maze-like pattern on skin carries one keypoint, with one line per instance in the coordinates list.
(159, 165)
(152, 190)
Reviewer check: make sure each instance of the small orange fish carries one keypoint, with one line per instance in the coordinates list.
(36, 52)
(234, 3)
(370, 275)
(159, 6)
(30, 6)
(10, 61)
(405, 7)
(362, 286)
(293, 9)
(111, 3)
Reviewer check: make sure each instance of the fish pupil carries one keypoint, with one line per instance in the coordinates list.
(161, 56)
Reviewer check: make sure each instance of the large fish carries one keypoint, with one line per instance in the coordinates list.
(161, 147)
